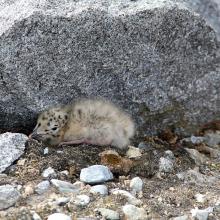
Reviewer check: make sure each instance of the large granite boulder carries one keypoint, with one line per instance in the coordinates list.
(156, 58)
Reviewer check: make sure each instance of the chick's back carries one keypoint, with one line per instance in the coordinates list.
(100, 122)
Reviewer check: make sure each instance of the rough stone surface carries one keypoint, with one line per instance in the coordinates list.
(95, 174)
(12, 146)
(209, 9)
(8, 196)
(158, 59)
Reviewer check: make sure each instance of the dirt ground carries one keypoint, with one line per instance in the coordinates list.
(164, 195)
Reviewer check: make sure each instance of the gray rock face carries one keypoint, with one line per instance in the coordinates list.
(209, 9)
(157, 59)
(12, 146)
(8, 196)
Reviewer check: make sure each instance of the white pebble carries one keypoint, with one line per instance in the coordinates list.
(136, 184)
(46, 150)
(101, 189)
(133, 152)
(131, 199)
(132, 212)
(62, 201)
(59, 216)
(201, 214)
(48, 172)
(200, 198)
(82, 200)
(108, 214)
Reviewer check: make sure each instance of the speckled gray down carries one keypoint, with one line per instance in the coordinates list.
(157, 59)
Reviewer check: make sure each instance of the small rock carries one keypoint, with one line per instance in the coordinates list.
(194, 176)
(64, 186)
(59, 216)
(217, 208)
(79, 185)
(42, 187)
(21, 162)
(130, 198)
(166, 165)
(49, 172)
(9, 195)
(133, 152)
(132, 212)
(115, 162)
(19, 187)
(95, 174)
(35, 216)
(62, 201)
(28, 190)
(183, 217)
(212, 139)
(101, 189)
(169, 155)
(197, 140)
(200, 198)
(196, 156)
(65, 172)
(46, 150)
(12, 146)
(201, 214)
(136, 184)
(108, 214)
(81, 200)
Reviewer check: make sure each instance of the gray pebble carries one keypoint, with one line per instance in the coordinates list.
(64, 186)
(12, 146)
(42, 187)
(9, 195)
(95, 174)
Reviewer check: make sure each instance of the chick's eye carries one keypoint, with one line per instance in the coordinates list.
(39, 125)
(54, 129)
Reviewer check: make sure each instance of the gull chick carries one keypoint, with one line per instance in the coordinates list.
(89, 121)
